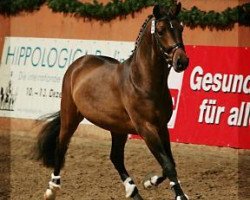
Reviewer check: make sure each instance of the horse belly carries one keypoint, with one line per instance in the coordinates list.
(107, 116)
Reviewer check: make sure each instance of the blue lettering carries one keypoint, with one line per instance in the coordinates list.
(21, 55)
(74, 56)
(28, 54)
(10, 54)
(35, 57)
(43, 60)
(53, 57)
(64, 58)
(70, 57)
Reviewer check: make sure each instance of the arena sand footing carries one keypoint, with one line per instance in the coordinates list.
(5, 166)
(244, 175)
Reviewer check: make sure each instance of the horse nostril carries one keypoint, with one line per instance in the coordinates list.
(179, 62)
(183, 62)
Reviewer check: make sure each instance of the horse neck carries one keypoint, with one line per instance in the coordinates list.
(148, 69)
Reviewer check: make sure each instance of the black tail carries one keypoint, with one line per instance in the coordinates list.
(47, 140)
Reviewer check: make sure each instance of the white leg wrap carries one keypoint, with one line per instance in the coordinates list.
(54, 184)
(129, 187)
(50, 193)
(55, 177)
(174, 183)
(151, 182)
(178, 197)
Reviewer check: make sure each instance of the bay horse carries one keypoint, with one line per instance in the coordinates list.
(128, 97)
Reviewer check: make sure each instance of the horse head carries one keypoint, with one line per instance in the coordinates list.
(168, 33)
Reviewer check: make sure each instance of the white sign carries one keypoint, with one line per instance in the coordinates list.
(32, 70)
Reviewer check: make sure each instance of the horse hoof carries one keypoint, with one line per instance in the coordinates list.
(49, 195)
(183, 197)
(137, 196)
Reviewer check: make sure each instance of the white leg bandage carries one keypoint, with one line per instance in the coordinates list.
(129, 187)
(172, 184)
(179, 197)
(151, 182)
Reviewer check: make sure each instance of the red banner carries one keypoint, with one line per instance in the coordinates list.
(214, 104)
(214, 101)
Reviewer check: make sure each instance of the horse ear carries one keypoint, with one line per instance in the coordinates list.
(178, 9)
(157, 11)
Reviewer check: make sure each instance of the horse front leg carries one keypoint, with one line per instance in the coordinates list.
(164, 135)
(160, 148)
(117, 157)
(155, 180)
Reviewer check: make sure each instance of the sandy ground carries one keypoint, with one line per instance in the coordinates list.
(208, 173)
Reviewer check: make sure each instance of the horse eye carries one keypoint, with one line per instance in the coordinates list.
(160, 33)
(161, 30)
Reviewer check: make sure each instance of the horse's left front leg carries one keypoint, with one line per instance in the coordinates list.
(155, 180)
(160, 148)
(164, 135)
(117, 158)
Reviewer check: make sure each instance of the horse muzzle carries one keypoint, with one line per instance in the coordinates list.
(180, 62)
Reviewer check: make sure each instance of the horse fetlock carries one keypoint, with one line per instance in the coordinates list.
(172, 183)
(152, 182)
(54, 187)
(55, 182)
(176, 186)
(130, 187)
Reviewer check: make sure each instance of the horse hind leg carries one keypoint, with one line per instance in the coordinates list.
(117, 158)
(70, 120)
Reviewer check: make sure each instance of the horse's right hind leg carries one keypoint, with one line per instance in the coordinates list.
(117, 158)
(70, 119)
